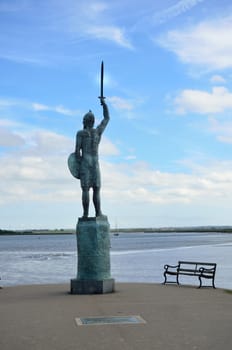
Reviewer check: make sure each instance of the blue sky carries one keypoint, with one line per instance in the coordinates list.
(166, 154)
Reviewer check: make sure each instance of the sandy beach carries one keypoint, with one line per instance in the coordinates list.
(42, 317)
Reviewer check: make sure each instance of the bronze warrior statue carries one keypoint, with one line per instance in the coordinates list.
(84, 164)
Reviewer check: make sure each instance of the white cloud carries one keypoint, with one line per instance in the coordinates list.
(175, 10)
(96, 8)
(40, 107)
(26, 58)
(38, 170)
(207, 44)
(222, 130)
(130, 157)
(4, 102)
(43, 177)
(35, 171)
(8, 123)
(48, 143)
(107, 148)
(35, 106)
(97, 21)
(121, 103)
(58, 109)
(111, 33)
(198, 101)
(217, 79)
(32, 178)
(9, 138)
(71, 21)
(84, 21)
(137, 183)
(92, 11)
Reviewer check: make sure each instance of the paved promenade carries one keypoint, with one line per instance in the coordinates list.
(177, 318)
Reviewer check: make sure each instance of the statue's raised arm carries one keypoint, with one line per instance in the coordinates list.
(101, 127)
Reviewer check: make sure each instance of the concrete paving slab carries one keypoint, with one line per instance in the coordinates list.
(43, 317)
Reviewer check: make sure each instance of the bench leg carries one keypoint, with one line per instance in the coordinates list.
(166, 281)
(213, 285)
(165, 278)
(200, 281)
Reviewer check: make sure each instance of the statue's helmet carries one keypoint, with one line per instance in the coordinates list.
(88, 119)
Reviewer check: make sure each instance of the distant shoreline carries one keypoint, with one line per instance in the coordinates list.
(203, 229)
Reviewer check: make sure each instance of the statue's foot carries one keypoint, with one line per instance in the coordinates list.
(99, 214)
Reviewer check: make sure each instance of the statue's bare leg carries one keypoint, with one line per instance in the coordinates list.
(96, 201)
(85, 201)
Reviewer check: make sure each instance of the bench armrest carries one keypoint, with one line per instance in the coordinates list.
(166, 267)
(203, 269)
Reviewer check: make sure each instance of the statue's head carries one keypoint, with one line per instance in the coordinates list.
(88, 120)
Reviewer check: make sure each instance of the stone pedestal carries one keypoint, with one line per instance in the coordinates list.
(93, 246)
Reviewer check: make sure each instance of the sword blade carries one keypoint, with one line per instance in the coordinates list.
(102, 78)
(102, 81)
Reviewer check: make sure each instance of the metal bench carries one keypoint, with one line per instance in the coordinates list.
(190, 268)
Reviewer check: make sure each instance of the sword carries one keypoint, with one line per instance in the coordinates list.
(102, 81)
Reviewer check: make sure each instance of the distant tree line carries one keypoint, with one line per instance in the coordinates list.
(7, 232)
(36, 232)
(222, 229)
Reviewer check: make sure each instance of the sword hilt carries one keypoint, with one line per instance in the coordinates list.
(101, 97)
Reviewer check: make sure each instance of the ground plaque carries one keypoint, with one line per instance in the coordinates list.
(104, 320)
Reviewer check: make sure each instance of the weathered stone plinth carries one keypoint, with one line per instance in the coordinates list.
(91, 286)
(93, 246)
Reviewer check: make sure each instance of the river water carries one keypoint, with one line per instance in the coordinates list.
(135, 257)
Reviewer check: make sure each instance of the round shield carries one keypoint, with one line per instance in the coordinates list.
(74, 165)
